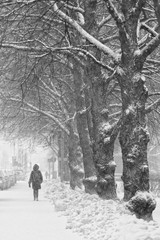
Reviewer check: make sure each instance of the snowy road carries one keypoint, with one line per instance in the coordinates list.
(21, 218)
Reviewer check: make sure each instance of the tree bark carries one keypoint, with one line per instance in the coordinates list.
(103, 157)
(134, 136)
(74, 159)
(99, 129)
(102, 134)
(89, 180)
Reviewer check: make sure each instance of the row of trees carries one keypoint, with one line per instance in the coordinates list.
(90, 69)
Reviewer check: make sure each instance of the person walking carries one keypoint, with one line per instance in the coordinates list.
(46, 175)
(35, 179)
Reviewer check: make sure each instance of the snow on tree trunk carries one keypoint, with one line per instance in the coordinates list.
(74, 159)
(84, 138)
(134, 137)
(103, 148)
(101, 130)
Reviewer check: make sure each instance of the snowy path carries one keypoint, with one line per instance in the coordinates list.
(156, 213)
(21, 218)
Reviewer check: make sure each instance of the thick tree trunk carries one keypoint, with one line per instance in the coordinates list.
(74, 159)
(134, 137)
(102, 139)
(105, 165)
(101, 134)
(89, 180)
(103, 157)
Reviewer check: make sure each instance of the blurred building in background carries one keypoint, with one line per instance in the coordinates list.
(5, 155)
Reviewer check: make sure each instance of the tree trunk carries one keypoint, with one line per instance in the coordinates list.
(74, 159)
(103, 157)
(89, 180)
(134, 136)
(102, 150)
(101, 134)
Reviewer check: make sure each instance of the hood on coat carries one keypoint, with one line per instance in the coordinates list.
(35, 167)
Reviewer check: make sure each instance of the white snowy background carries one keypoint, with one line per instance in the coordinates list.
(97, 219)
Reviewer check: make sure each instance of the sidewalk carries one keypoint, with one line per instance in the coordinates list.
(21, 218)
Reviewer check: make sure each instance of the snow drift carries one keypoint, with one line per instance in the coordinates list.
(97, 219)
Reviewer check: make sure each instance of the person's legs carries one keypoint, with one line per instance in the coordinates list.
(36, 194)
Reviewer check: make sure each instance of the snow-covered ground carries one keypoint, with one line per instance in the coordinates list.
(21, 218)
(97, 219)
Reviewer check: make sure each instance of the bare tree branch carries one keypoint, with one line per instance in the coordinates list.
(47, 114)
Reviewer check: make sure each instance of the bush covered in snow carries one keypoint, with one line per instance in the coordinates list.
(142, 204)
(97, 219)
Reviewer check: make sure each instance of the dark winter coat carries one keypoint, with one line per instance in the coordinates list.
(36, 178)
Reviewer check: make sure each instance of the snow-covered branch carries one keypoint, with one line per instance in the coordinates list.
(148, 49)
(73, 8)
(138, 7)
(154, 94)
(157, 10)
(114, 13)
(115, 105)
(121, 26)
(149, 29)
(88, 54)
(47, 114)
(153, 61)
(104, 21)
(109, 39)
(85, 34)
(22, 48)
(114, 115)
(153, 106)
(54, 95)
